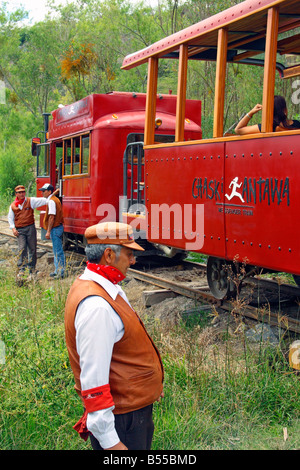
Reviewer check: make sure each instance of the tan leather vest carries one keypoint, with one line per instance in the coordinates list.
(58, 218)
(136, 371)
(25, 216)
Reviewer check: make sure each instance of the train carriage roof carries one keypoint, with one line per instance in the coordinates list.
(246, 23)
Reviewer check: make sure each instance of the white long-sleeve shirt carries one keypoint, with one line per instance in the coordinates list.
(98, 327)
(35, 202)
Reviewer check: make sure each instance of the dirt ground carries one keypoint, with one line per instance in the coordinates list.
(169, 312)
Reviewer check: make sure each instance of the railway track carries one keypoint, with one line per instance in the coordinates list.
(279, 316)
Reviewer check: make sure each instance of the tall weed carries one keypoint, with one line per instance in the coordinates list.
(217, 396)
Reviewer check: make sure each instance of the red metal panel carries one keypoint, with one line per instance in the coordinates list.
(76, 204)
(179, 179)
(262, 201)
(83, 115)
(250, 193)
(110, 118)
(86, 198)
(135, 121)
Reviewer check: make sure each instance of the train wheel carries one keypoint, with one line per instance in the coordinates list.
(218, 277)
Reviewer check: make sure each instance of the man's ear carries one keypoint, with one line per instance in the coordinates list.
(108, 256)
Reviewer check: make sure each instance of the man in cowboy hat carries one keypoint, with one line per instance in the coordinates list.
(21, 221)
(117, 368)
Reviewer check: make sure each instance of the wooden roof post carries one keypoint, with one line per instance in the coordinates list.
(269, 70)
(181, 93)
(220, 82)
(151, 101)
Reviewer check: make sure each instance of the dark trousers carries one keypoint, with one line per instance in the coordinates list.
(135, 429)
(27, 247)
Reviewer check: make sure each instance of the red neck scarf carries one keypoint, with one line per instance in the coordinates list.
(19, 202)
(110, 273)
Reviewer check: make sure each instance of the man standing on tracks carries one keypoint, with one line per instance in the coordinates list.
(53, 224)
(117, 368)
(21, 221)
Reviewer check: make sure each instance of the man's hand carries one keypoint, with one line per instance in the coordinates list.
(50, 225)
(15, 232)
(119, 446)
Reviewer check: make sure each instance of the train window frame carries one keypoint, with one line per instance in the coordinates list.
(159, 138)
(87, 162)
(83, 163)
(76, 155)
(45, 149)
(67, 159)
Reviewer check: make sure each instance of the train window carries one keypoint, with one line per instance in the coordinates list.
(159, 138)
(85, 153)
(162, 138)
(131, 138)
(58, 153)
(76, 170)
(67, 158)
(58, 160)
(76, 155)
(43, 167)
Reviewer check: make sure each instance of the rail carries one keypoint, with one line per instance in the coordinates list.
(258, 314)
(279, 319)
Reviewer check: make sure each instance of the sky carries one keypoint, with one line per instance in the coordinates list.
(37, 8)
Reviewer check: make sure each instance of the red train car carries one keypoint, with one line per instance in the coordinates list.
(230, 196)
(92, 152)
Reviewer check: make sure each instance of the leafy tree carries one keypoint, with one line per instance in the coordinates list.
(80, 49)
(16, 166)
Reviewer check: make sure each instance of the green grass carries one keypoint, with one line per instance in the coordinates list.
(5, 201)
(215, 396)
(218, 399)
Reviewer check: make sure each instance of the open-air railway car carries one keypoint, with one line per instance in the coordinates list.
(230, 197)
(86, 143)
